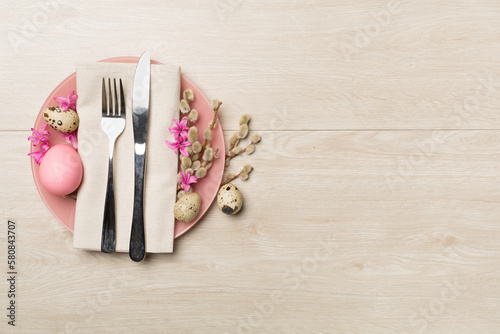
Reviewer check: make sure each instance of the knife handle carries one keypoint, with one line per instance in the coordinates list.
(137, 247)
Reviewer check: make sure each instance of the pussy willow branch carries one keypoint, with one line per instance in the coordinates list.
(216, 111)
(232, 155)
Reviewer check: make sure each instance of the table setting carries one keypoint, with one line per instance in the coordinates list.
(115, 211)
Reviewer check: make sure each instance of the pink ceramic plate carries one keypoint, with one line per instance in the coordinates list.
(64, 208)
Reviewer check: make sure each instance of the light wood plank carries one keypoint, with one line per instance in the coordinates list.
(433, 65)
(392, 252)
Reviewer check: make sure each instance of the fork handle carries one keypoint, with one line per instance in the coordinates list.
(108, 238)
(137, 247)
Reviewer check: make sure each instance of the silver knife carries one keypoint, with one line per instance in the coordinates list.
(140, 116)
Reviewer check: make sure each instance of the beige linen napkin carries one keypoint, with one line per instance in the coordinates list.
(161, 163)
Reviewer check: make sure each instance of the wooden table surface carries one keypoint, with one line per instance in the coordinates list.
(375, 201)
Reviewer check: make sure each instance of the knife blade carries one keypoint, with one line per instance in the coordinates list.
(140, 117)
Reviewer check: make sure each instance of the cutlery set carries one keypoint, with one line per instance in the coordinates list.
(113, 124)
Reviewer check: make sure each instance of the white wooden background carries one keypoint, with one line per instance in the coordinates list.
(374, 205)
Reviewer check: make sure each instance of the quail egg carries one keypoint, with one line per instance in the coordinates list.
(62, 121)
(187, 207)
(229, 199)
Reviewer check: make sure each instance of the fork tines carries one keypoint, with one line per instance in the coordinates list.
(110, 106)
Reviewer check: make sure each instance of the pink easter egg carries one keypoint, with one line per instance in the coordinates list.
(61, 170)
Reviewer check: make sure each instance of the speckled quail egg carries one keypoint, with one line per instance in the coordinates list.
(187, 207)
(62, 121)
(229, 199)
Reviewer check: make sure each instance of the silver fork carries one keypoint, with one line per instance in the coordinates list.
(113, 123)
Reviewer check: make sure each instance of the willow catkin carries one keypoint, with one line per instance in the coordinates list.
(193, 134)
(214, 104)
(236, 150)
(233, 138)
(193, 115)
(256, 138)
(184, 106)
(250, 149)
(188, 95)
(207, 134)
(200, 173)
(244, 119)
(247, 168)
(208, 154)
(196, 147)
(196, 165)
(186, 162)
(243, 131)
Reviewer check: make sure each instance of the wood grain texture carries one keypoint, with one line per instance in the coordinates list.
(374, 203)
(428, 62)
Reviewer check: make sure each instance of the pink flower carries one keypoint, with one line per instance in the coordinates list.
(40, 136)
(71, 137)
(38, 155)
(186, 180)
(179, 145)
(66, 103)
(180, 129)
